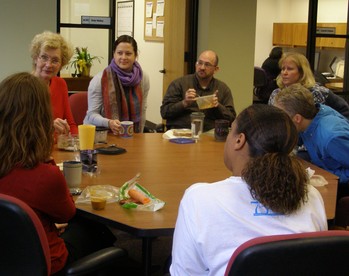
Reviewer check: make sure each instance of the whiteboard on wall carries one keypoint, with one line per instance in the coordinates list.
(125, 14)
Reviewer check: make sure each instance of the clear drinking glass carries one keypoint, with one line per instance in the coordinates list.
(197, 124)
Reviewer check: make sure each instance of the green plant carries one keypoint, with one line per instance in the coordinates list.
(82, 61)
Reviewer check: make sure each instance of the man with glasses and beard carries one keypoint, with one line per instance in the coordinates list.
(180, 98)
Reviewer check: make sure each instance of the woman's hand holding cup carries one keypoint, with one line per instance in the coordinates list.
(115, 126)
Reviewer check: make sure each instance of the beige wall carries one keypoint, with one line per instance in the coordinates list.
(20, 20)
(228, 27)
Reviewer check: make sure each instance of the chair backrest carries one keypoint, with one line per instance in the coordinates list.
(151, 127)
(314, 253)
(78, 105)
(263, 85)
(24, 248)
(260, 77)
(342, 212)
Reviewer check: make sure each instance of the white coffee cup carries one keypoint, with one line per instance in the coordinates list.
(72, 171)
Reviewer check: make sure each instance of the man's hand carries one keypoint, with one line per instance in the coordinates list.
(215, 102)
(190, 97)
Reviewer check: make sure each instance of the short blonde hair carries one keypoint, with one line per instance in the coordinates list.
(306, 75)
(296, 99)
(50, 40)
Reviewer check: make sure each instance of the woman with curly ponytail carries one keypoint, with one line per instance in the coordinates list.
(275, 177)
(268, 194)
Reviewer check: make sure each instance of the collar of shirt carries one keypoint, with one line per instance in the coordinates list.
(199, 89)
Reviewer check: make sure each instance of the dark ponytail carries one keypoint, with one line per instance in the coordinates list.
(278, 181)
(276, 178)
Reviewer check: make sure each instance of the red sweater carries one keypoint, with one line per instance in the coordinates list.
(60, 103)
(44, 189)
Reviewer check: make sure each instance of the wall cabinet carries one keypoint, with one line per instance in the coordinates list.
(341, 28)
(283, 34)
(300, 31)
(295, 35)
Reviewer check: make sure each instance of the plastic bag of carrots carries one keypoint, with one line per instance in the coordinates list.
(132, 195)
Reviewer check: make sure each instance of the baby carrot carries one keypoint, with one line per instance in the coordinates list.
(138, 196)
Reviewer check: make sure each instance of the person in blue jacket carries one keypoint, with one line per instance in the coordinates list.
(323, 130)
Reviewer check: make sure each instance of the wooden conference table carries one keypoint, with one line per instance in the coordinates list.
(166, 169)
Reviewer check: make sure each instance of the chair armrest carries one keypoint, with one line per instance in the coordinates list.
(160, 128)
(96, 261)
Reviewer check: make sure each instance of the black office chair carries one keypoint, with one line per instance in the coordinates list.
(320, 78)
(263, 85)
(342, 212)
(25, 249)
(151, 127)
(314, 253)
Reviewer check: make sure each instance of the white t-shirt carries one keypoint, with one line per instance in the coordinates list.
(214, 219)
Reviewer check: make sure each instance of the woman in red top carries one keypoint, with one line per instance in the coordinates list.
(27, 172)
(50, 52)
(26, 139)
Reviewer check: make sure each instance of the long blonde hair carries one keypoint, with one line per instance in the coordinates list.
(306, 75)
(26, 128)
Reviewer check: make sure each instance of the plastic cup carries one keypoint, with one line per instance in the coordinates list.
(98, 202)
(101, 135)
(86, 136)
(126, 130)
(89, 161)
(205, 102)
(72, 171)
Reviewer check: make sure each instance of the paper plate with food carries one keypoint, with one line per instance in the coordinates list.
(178, 133)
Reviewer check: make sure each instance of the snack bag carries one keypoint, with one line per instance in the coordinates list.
(132, 195)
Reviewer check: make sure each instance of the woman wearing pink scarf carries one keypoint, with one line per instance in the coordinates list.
(119, 93)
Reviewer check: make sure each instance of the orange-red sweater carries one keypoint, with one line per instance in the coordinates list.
(60, 103)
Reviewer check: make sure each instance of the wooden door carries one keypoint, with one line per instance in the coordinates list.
(175, 40)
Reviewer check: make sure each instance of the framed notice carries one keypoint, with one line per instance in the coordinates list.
(125, 16)
(154, 20)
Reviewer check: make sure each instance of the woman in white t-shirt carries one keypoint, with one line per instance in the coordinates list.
(268, 194)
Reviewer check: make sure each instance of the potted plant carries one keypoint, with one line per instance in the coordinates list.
(82, 62)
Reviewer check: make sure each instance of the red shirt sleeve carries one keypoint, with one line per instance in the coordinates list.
(60, 102)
